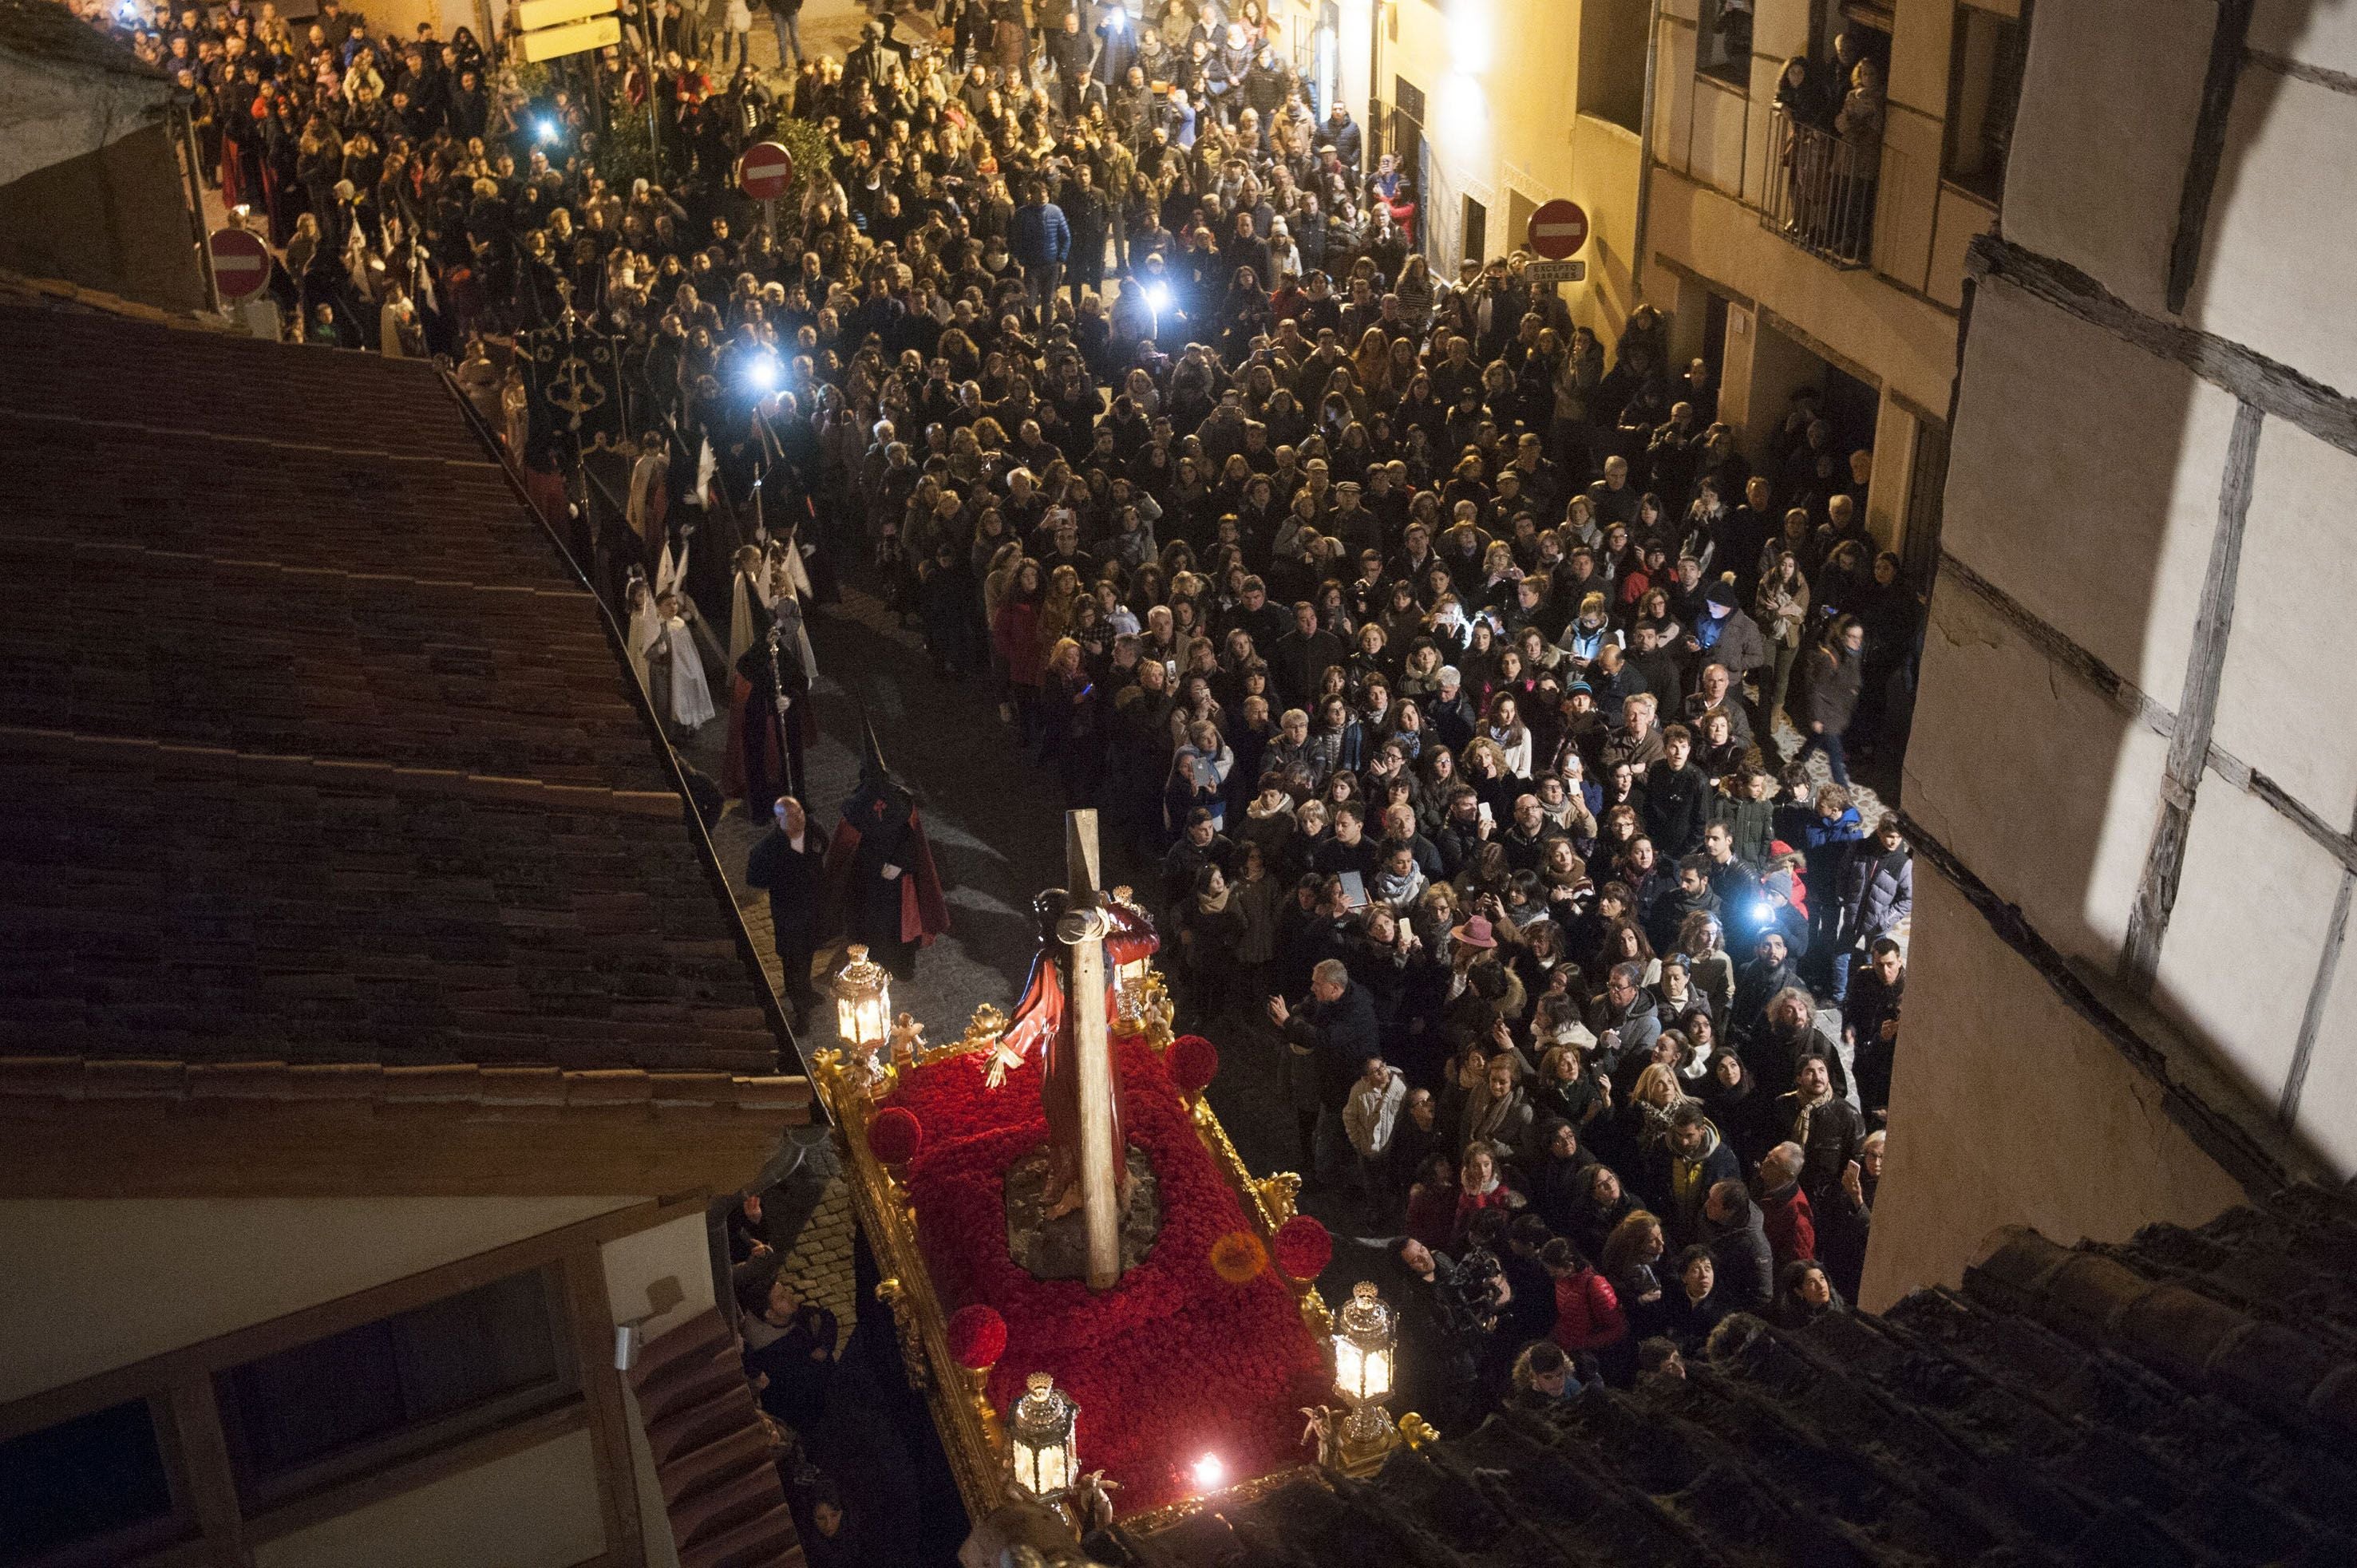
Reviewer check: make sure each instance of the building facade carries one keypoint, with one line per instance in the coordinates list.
(2128, 762)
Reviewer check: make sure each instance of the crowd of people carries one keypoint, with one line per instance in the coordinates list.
(1458, 667)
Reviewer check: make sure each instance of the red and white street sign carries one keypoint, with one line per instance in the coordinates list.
(765, 171)
(1558, 230)
(241, 264)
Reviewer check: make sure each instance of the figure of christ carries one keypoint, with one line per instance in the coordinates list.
(1043, 1020)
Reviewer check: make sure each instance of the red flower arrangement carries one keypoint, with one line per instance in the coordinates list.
(1303, 1247)
(977, 1336)
(895, 1136)
(1194, 1062)
(1182, 1356)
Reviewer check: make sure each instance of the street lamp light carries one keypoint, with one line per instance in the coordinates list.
(863, 1004)
(1366, 1339)
(1043, 1436)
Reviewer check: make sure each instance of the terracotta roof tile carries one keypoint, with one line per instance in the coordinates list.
(313, 749)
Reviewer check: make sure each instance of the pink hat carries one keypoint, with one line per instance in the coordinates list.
(1475, 932)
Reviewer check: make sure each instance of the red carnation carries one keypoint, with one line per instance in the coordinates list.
(894, 1135)
(977, 1336)
(1194, 1062)
(1303, 1247)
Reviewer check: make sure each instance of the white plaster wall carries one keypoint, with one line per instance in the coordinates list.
(2105, 128)
(2253, 901)
(2047, 791)
(2274, 263)
(2054, 492)
(2284, 697)
(675, 1254)
(96, 1284)
(2323, 35)
(2008, 1108)
(1719, 129)
(538, 1508)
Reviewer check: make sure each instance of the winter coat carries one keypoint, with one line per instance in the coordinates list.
(1835, 681)
(1683, 1181)
(1791, 1228)
(1370, 1112)
(1744, 1262)
(1878, 891)
(1587, 1316)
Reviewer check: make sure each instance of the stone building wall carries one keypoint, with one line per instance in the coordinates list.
(2133, 769)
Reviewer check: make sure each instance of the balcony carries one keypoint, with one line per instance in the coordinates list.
(1821, 191)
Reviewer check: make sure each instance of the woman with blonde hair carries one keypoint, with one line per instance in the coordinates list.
(1656, 1094)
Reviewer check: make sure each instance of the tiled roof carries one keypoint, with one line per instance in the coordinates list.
(312, 747)
(713, 1463)
(2189, 1399)
(45, 30)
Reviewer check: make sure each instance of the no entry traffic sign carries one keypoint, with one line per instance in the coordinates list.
(241, 264)
(765, 171)
(1558, 230)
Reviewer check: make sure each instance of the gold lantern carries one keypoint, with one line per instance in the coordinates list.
(1366, 1342)
(1130, 979)
(863, 1005)
(1043, 1438)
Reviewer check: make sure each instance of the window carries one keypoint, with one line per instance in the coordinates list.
(1984, 89)
(402, 1385)
(97, 1483)
(1722, 41)
(1612, 60)
(1476, 231)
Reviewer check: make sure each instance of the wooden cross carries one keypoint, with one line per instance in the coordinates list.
(1100, 1180)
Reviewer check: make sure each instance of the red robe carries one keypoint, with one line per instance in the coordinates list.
(1042, 1020)
(924, 913)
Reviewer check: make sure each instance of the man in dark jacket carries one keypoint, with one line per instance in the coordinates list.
(1090, 219)
(1831, 696)
(1040, 240)
(1692, 1160)
(1338, 1028)
(1677, 797)
(1739, 1253)
(1828, 1128)
(789, 1344)
(1302, 656)
(790, 864)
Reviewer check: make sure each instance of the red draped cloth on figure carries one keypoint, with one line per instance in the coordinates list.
(1043, 1020)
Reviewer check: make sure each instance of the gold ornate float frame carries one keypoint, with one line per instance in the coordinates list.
(969, 1425)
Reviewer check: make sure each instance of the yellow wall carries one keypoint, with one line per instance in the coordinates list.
(1500, 83)
(538, 1508)
(97, 1284)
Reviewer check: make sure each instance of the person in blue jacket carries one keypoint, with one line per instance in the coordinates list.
(1041, 241)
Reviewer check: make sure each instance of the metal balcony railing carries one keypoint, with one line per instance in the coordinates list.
(1821, 190)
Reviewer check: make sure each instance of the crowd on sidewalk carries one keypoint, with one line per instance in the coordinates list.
(1436, 644)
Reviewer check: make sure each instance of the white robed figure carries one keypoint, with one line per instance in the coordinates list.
(644, 626)
(749, 600)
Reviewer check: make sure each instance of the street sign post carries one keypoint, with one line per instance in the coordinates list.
(1556, 271)
(765, 173)
(532, 15)
(1558, 230)
(241, 264)
(573, 37)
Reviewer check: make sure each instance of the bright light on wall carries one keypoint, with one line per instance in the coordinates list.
(1472, 36)
(1461, 111)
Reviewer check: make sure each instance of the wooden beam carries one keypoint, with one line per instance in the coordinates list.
(1100, 1180)
(204, 1467)
(592, 1312)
